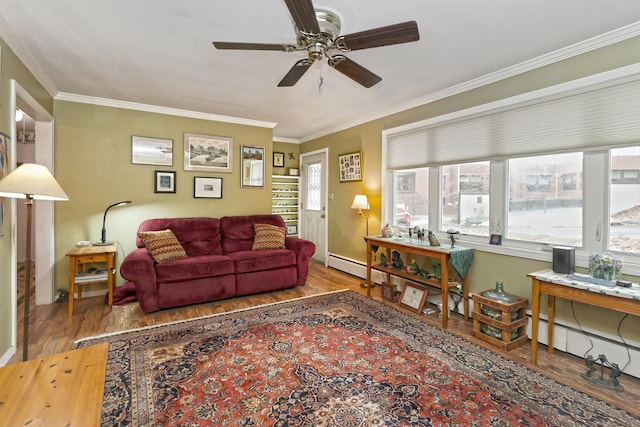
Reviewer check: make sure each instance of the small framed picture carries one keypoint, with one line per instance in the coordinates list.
(389, 292)
(205, 187)
(292, 229)
(252, 166)
(278, 159)
(350, 166)
(165, 182)
(294, 172)
(413, 297)
(496, 239)
(151, 151)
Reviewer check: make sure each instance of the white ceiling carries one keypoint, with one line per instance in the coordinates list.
(160, 53)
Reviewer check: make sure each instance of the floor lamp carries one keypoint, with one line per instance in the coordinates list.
(361, 203)
(31, 182)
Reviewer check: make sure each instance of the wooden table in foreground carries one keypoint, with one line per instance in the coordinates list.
(63, 389)
(459, 258)
(547, 282)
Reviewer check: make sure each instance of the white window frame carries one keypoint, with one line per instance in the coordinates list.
(596, 179)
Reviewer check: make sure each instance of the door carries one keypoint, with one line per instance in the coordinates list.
(314, 201)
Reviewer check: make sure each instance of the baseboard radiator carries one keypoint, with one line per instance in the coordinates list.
(567, 336)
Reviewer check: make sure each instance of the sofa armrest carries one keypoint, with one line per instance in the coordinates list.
(138, 267)
(304, 249)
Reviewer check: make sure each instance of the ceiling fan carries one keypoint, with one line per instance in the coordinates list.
(319, 34)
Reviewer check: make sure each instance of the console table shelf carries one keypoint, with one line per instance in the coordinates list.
(458, 258)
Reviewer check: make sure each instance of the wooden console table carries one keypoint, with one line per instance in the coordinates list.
(64, 389)
(625, 300)
(458, 258)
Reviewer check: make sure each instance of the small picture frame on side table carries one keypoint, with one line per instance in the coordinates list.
(389, 292)
(413, 297)
(165, 182)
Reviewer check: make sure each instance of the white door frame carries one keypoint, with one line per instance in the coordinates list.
(325, 183)
(43, 226)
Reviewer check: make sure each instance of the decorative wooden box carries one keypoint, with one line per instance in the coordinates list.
(508, 330)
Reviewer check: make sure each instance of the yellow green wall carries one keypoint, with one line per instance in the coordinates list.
(345, 227)
(93, 165)
(12, 69)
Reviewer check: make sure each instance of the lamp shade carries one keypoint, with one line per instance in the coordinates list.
(360, 202)
(31, 180)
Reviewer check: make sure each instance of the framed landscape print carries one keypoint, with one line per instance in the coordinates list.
(165, 182)
(151, 151)
(207, 187)
(350, 166)
(252, 166)
(208, 153)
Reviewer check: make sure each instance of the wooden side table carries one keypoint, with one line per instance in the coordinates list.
(64, 389)
(81, 255)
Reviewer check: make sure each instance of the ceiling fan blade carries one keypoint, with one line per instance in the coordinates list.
(294, 74)
(303, 15)
(382, 36)
(354, 71)
(254, 46)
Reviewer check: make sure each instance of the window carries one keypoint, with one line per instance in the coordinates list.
(411, 200)
(314, 174)
(541, 209)
(624, 203)
(465, 198)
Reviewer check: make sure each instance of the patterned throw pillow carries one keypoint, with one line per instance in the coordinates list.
(162, 245)
(268, 237)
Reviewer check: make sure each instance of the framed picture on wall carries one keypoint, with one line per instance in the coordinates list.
(252, 166)
(205, 187)
(350, 166)
(151, 151)
(278, 159)
(208, 153)
(165, 182)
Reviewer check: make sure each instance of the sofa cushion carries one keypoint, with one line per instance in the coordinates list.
(162, 245)
(268, 237)
(268, 259)
(197, 235)
(194, 268)
(238, 232)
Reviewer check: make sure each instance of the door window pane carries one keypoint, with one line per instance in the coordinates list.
(314, 176)
(465, 198)
(545, 199)
(624, 207)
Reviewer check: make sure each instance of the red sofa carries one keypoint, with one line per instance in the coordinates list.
(219, 264)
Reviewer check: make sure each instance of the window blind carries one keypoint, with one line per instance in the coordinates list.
(588, 118)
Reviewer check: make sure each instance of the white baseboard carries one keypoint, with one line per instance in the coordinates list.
(566, 337)
(7, 356)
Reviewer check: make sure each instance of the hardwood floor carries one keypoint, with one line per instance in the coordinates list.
(52, 331)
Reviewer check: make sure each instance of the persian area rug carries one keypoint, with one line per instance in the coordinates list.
(338, 359)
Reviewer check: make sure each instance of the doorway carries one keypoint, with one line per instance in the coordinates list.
(313, 186)
(43, 210)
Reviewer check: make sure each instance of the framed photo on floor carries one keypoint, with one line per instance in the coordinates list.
(413, 297)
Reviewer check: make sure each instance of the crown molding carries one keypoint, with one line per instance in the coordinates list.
(106, 102)
(594, 43)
